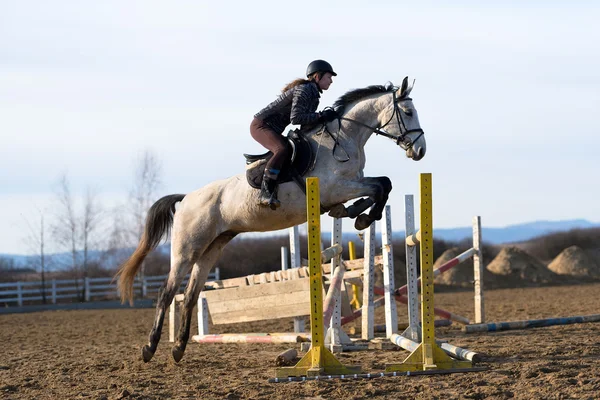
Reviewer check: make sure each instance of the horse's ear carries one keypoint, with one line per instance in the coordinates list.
(405, 89)
(404, 86)
(410, 87)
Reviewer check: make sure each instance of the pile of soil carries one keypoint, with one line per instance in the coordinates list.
(460, 275)
(514, 267)
(575, 262)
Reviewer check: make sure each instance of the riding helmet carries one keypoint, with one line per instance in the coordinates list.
(319, 66)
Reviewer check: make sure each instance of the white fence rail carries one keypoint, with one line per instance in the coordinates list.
(90, 289)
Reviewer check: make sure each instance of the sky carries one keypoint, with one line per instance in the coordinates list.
(507, 92)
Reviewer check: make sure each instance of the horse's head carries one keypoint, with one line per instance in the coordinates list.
(387, 111)
(401, 123)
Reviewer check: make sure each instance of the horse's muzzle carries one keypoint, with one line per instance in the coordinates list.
(415, 154)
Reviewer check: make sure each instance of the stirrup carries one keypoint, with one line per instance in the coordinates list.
(272, 202)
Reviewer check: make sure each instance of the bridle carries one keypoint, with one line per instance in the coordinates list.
(401, 140)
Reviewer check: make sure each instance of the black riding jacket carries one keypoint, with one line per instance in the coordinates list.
(296, 106)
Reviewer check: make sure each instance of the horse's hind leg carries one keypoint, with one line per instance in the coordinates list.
(199, 275)
(179, 268)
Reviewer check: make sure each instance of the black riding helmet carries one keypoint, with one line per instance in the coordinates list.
(319, 66)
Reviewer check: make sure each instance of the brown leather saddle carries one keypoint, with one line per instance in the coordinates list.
(300, 162)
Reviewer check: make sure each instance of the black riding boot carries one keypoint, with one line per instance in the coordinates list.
(268, 193)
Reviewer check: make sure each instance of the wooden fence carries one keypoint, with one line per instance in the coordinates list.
(88, 289)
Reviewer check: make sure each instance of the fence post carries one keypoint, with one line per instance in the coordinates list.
(336, 336)
(86, 283)
(284, 258)
(172, 320)
(478, 272)
(19, 294)
(413, 332)
(202, 315)
(368, 308)
(53, 291)
(296, 261)
(144, 287)
(391, 314)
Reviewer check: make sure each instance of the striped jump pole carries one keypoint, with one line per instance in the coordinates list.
(318, 360)
(242, 338)
(403, 290)
(437, 311)
(332, 295)
(531, 323)
(455, 351)
(404, 300)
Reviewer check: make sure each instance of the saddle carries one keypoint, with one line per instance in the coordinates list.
(300, 162)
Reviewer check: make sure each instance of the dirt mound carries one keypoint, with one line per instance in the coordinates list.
(460, 275)
(574, 261)
(515, 267)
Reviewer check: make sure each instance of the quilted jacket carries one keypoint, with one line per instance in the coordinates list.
(297, 106)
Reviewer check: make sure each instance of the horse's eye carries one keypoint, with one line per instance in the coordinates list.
(408, 112)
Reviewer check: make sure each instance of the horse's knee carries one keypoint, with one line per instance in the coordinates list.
(386, 183)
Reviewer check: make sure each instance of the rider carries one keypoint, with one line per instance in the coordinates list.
(297, 105)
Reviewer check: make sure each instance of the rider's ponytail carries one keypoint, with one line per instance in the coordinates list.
(296, 82)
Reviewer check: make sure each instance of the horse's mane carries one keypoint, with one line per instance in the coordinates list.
(359, 94)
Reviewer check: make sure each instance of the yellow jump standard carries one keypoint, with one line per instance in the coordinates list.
(428, 355)
(318, 360)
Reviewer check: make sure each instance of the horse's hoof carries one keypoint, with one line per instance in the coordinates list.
(147, 353)
(338, 211)
(177, 353)
(363, 221)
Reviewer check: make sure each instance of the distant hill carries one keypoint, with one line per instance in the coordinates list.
(509, 234)
(513, 233)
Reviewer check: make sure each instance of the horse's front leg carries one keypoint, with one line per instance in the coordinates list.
(384, 187)
(373, 192)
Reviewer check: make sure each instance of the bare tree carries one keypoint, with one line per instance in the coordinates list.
(74, 231)
(116, 238)
(37, 242)
(91, 218)
(117, 235)
(146, 182)
(65, 229)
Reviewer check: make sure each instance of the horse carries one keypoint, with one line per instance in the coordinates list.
(209, 218)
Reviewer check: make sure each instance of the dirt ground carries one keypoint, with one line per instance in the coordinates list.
(96, 355)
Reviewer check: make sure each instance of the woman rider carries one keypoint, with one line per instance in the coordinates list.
(297, 105)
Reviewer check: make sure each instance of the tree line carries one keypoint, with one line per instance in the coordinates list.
(76, 226)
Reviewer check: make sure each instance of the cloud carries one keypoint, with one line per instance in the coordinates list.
(506, 93)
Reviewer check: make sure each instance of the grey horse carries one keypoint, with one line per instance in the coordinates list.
(209, 218)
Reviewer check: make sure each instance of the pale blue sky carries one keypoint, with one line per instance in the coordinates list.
(508, 95)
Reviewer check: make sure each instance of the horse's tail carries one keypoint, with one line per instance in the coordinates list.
(158, 223)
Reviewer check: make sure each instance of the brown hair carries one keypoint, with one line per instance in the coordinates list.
(299, 81)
